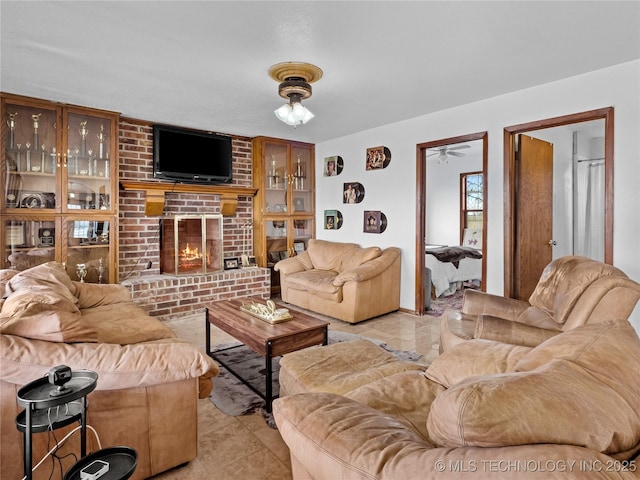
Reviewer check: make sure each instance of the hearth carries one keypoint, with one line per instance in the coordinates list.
(191, 244)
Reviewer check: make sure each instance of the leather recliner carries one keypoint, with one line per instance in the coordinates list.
(572, 291)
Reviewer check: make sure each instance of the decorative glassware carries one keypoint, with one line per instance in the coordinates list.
(81, 270)
(28, 147)
(83, 134)
(101, 137)
(100, 270)
(12, 129)
(36, 118)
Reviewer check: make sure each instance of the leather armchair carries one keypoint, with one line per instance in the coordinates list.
(572, 291)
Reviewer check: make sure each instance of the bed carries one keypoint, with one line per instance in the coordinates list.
(450, 266)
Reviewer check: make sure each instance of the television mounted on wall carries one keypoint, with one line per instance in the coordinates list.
(191, 156)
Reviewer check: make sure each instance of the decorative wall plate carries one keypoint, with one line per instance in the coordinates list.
(378, 158)
(374, 221)
(333, 166)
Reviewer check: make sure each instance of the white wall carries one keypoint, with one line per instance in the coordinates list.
(393, 190)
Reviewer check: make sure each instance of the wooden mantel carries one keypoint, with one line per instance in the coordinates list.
(154, 201)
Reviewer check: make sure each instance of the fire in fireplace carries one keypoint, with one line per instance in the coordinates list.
(191, 244)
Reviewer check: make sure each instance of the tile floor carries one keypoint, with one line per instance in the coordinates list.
(245, 448)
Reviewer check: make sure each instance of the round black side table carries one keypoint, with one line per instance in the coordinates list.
(122, 463)
(49, 407)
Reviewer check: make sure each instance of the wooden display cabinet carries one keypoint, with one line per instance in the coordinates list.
(58, 198)
(284, 206)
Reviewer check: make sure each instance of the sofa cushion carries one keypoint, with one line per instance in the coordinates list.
(338, 368)
(472, 358)
(41, 306)
(558, 403)
(314, 281)
(610, 351)
(95, 295)
(574, 395)
(359, 256)
(563, 281)
(405, 395)
(124, 324)
(118, 367)
(327, 255)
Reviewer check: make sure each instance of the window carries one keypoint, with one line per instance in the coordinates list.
(472, 200)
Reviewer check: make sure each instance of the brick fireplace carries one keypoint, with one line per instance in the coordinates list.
(168, 296)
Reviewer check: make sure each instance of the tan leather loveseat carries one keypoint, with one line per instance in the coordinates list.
(566, 409)
(342, 280)
(148, 381)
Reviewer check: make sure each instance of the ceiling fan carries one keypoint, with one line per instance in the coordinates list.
(445, 151)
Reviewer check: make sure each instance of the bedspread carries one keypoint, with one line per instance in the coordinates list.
(444, 274)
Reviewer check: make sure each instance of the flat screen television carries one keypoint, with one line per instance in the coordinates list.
(191, 156)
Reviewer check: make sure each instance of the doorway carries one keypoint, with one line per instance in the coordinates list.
(526, 190)
(428, 148)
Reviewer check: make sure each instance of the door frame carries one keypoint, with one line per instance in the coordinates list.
(421, 207)
(607, 114)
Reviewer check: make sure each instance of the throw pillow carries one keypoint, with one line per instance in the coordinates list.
(44, 315)
(5, 276)
(46, 275)
(472, 358)
(41, 305)
(610, 351)
(558, 403)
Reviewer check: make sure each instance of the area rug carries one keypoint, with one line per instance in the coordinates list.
(441, 304)
(234, 398)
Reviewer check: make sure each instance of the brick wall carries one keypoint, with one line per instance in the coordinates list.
(164, 295)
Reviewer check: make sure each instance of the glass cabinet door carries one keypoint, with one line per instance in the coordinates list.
(287, 238)
(28, 243)
(302, 232)
(277, 178)
(88, 162)
(277, 241)
(87, 254)
(31, 157)
(301, 180)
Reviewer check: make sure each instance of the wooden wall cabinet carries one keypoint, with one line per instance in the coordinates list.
(58, 198)
(284, 206)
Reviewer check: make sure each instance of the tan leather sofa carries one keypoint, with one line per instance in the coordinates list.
(342, 280)
(572, 291)
(566, 409)
(148, 383)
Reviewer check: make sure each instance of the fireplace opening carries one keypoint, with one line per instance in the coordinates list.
(191, 244)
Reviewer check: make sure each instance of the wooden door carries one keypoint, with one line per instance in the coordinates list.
(534, 213)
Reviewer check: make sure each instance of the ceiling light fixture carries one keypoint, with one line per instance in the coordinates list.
(295, 85)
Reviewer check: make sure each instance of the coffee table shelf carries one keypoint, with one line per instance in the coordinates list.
(266, 339)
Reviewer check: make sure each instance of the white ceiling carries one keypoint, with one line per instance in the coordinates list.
(203, 64)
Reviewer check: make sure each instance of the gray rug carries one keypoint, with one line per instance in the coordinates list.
(234, 398)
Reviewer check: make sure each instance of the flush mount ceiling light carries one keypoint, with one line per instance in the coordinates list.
(295, 85)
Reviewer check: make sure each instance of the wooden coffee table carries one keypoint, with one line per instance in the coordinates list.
(262, 337)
